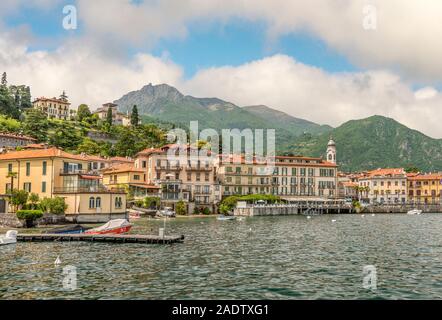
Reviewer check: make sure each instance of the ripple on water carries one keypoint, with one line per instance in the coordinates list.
(281, 258)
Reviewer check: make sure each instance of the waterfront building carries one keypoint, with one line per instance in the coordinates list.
(54, 108)
(118, 118)
(385, 186)
(13, 140)
(131, 178)
(425, 188)
(190, 179)
(293, 178)
(52, 172)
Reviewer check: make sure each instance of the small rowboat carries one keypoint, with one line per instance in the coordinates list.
(225, 218)
(116, 226)
(9, 238)
(75, 229)
(415, 211)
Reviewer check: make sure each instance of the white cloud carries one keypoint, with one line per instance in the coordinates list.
(407, 36)
(86, 74)
(311, 93)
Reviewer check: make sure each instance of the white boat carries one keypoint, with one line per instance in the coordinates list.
(224, 218)
(415, 211)
(116, 226)
(9, 238)
(167, 212)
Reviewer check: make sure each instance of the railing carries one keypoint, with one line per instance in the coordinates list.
(168, 168)
(87, 189)
(78, 171)
(199, 168)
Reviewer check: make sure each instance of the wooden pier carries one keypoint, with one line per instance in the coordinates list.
(111, 238)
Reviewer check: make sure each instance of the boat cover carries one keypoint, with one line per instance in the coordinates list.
(112, 224)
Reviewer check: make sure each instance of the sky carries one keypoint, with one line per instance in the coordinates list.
(325, 61)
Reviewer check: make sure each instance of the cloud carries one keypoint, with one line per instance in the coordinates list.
(406, 38)
(307, 92)
(88, 75)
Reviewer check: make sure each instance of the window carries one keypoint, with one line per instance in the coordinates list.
(9, 167)
(98, 202)
(28, 168)
(27, 186)
(144, 164)
(91, 203)
(136, 177)
(45, 164)
(189, 176)
(8, 187)
(118, 202)
(43, 186)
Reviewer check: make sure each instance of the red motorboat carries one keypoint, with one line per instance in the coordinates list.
(116, 226)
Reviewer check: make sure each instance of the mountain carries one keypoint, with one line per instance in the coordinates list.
(279, 119)
(375, 142)
(165, 103)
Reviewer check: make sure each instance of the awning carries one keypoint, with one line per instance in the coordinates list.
(89, 177)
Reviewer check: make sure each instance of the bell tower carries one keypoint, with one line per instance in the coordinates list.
(331, 151)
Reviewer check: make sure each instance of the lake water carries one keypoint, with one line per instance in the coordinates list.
(259, 258)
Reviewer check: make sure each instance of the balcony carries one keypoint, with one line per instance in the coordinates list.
(89, 189)
(199, 168)
(168, 168)
(67, 172)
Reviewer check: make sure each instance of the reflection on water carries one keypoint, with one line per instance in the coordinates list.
(259, 258)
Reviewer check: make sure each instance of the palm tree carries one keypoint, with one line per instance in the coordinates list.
(12, 176)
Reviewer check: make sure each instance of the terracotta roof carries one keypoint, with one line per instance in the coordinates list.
(36, 146)
(349, 184)
(122, 168)
(386, 172)
(16, 136)
(428, 176)
(40, 153)
(94, 158)
(51, 99)
(121, 159)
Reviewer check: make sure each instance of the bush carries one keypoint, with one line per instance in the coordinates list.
(151, 202)
(55, 205)
(181, 208)
(29, 214)
(206, 211)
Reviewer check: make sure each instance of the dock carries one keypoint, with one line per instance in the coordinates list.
(111, 238)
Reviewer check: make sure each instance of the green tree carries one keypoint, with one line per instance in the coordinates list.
(7, 101)
(181, 208)
(89, 146)
(65, 135)
(134, 117)
(19, 198)
(109, 118)
(36, 124)
(9, 124)
(83, 112)
(33, 198)
(55, 205)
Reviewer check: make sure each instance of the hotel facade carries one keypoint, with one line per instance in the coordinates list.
(385, 186)
(55, 173)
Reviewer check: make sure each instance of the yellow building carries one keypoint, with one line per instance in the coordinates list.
(387, 185)
(133, 179)
(425, 188)
(53, 172)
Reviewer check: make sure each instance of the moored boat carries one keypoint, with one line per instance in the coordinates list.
(116, 226)
(414, 211)
(9, 238)
(225, 218)
(74, 229)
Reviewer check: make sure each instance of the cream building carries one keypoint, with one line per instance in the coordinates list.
(53, 172)
(191, 180)
(53, 107)
(292, 178)
(385, 185)
(118, 118)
